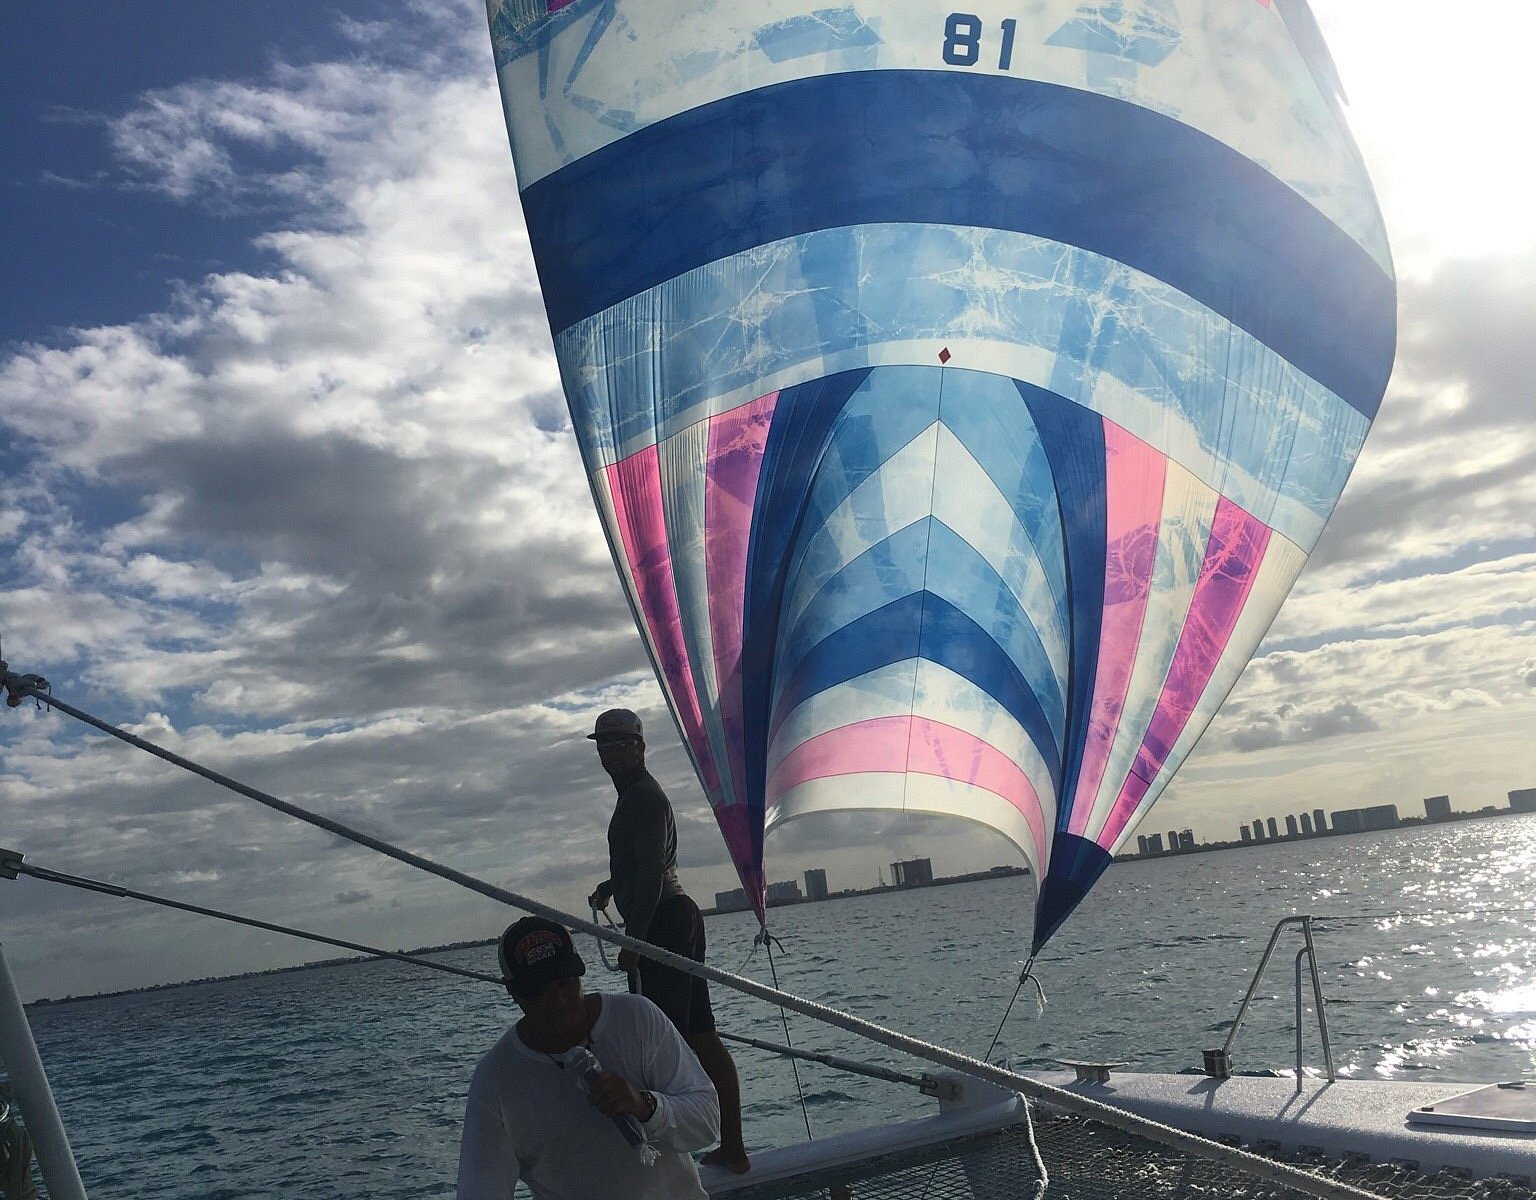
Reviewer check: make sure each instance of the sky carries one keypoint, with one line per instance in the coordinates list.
(292, 491)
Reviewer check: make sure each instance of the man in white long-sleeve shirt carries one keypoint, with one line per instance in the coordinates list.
(530, 1118)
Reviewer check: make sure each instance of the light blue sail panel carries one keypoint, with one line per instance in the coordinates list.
(961, 391)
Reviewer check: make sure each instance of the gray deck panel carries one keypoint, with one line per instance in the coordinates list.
(1350, 1117)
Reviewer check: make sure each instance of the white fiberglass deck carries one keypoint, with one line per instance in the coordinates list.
(1348, 1118)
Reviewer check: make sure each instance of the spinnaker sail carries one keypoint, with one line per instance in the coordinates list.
(961, 391)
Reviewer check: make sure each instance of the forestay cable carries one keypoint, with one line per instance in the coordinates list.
(22, 687)
(11, 865)
(794, 1066)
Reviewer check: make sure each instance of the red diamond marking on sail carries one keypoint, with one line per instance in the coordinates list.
(944, 355)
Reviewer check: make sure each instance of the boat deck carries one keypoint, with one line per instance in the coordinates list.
(1350, 1118)
(972, 1148)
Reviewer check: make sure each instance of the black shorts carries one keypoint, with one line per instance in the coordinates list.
(678, 926)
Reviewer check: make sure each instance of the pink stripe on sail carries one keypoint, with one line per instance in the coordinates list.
(896, 745)
(1232, 559)
(731, 468)
(635, 484)
(1133, 477)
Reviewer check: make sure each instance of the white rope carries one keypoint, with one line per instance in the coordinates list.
(1044, 1181)
(602, 949)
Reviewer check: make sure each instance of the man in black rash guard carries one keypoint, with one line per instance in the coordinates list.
(642, 880)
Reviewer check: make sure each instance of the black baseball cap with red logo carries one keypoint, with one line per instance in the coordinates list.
(616, 723)
(536, 952)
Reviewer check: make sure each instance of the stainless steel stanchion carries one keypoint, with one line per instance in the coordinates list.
(29, 1084)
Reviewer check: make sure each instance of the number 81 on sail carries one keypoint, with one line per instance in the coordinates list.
(963, 41)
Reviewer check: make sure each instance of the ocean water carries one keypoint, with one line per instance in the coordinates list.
(349, 1081)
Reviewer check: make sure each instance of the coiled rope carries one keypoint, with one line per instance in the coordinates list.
(21, 687)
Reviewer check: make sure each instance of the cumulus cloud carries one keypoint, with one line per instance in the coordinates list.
(1292, 724)
(326, 523)
(1448, 475)
(235, 144)
(354, 452)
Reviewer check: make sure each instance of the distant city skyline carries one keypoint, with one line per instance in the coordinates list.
(1322, 823)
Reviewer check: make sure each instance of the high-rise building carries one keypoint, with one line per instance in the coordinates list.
(1258, 829)
(1359, 820)
(1274, 830)
(816, 884)
(732, 901)
(1246, 832)
(1306, 824)
(1154, 843)
(1523, 800)
(1141, 843)
(915, 872)
(1437, 808)
(1186, 839)
(1319, 821)
(1348, 820)
(1173, 839)
(1290, 825)
(784, 893)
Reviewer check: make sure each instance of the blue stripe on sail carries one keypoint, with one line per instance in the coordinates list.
(890, 408)
(967, 581)
(888, 570)
(1075, 864)
(1164, 368)
(930, 553)
(803, 420)
(989, 417)
(948, 637)
(971, 150)
(1074, 442)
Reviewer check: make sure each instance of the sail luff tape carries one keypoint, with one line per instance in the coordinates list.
(1252, 1164)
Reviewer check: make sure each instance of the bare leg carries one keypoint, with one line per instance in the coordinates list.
(721, 1069)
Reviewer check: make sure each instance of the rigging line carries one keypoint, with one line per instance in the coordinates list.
(21, 687)
(1019, 987)
(987, 1057)
(111, 889)
(794, 1066)
(992, 1045)
(10, 860)
(836, 1062)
